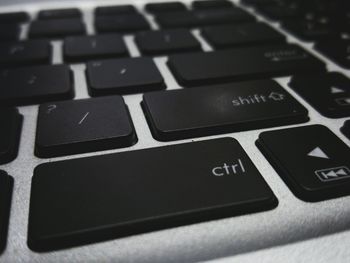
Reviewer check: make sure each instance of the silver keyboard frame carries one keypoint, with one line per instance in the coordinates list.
(295, 231)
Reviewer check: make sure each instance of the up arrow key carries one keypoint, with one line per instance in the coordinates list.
(317, 152)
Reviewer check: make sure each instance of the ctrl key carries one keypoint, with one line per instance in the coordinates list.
(6, 185)
(312, 161)
(87, 200)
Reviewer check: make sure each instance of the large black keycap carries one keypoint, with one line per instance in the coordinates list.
(11, 125)
(123, 76)
(203, 18)
(167, 41)
(9, 32)
(329, 93)
(165, 7)
(336, 50)
(104, 197)
(121, 23)
(312, 161)
(6, 185)
(242, 64)
(80, 126)
(115, 10)
(15, 54)
(59, 13)
(179, 114)
(94, 47)
(56, 28)
(14, 17)
(241, 35)
(32, 85)
(346, 129)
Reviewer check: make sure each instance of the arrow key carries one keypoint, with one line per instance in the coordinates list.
(329, 93)
(312, 161)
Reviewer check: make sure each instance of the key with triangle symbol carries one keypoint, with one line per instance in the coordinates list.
(328, 93)
(317, 152)
(313, 161)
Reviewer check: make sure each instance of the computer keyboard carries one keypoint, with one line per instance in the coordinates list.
(172, 132)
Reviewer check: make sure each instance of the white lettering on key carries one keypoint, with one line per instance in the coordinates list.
(257, 98)
(51, 108)
(282, 55)
(96, 64)
(83, 119)
(276, 96)
(251, 99)
(123, 71)
(167, 38)
(93, 43)
(16, 49)
(229, 169)
(32, 80)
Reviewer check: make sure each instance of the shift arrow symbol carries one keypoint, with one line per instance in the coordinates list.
(317, 152)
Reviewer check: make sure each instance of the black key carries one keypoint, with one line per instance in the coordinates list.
(165, 42)
(14, 17)
(211, 4)
(14, 54)
(176, 19)
(279, 12)
(242, 64)
(9, 32)
(140, 191)
(121, 23)
(123, 76)
(329, 93)
(310, 31)
(221, 16)
(56, 28)
(165, 7)
(179, 114)
(6, 186)
(94, 47)
(203, 18)
(346, 129)
(241, 35)
(59, 13)
(115, 10)
(11, 125)
(312, 161)
(336, 50)
(33, 85)
(80, 126)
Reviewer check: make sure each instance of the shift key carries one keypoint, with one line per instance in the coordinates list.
(242, 64)
(103, 197)
(186, 113)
